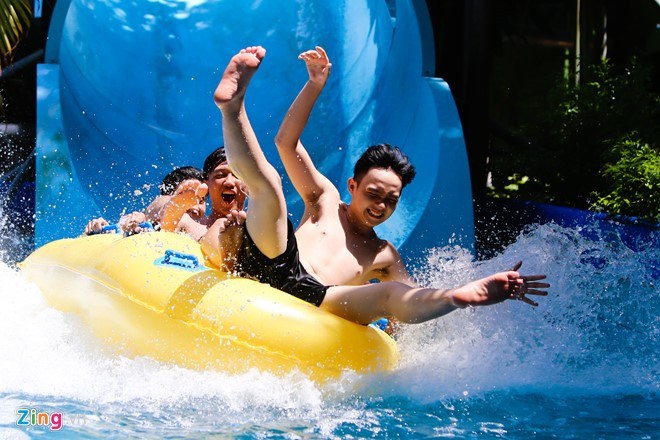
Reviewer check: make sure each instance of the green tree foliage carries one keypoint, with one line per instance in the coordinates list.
(633, 179)
(582, 146)
(15, 18)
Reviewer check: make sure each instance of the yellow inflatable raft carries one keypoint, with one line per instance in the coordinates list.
(152, 295)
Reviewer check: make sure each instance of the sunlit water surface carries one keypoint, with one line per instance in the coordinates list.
(584, 364)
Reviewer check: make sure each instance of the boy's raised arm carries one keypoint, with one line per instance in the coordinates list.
(307, 180)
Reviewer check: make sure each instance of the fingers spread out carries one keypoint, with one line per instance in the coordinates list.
(528, 301)
(191, 185)
(532, 287)
(526, 285)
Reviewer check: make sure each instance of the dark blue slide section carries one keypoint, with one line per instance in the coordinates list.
(126, 94)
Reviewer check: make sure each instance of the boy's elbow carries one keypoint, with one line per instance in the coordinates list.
(279, 141)
(283, 142)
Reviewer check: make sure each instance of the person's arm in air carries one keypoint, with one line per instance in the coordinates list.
(307, 180)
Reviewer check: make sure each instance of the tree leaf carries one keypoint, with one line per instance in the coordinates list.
(15, 17)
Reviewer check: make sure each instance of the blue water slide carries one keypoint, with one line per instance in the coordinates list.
(125, 95)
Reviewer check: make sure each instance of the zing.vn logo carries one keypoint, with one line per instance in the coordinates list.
(30, 417)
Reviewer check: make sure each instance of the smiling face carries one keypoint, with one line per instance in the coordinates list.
(225, 190)
(374, 196)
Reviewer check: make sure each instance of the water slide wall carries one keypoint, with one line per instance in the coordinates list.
(125, 95)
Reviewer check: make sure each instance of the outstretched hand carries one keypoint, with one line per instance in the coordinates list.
(500, 287)
(526, 285)
(318, 65)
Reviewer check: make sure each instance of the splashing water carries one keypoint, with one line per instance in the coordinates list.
(584, 363)
(595, 332)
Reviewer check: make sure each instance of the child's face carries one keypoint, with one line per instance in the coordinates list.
(375, 196)
(227, 193)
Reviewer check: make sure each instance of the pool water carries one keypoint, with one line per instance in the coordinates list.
(584, 364)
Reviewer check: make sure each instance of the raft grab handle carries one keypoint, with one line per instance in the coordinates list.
(179, 260)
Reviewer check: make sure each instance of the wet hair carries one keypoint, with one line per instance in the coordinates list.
(178, 175)
(385, 156)
(213, 160)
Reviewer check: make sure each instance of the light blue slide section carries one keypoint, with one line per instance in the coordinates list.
(126, 95)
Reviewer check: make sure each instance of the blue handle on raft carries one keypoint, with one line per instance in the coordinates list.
(116, 229)
(179, 260)
(380, 324)
(109, 229)
(147, 226)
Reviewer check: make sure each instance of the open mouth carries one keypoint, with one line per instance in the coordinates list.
(228, 197)
(375, 214)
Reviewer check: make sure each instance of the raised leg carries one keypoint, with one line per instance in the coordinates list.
(267, 214)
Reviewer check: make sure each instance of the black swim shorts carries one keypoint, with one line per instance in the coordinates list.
(283, 272)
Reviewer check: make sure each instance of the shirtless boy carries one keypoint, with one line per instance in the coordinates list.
(338, 248)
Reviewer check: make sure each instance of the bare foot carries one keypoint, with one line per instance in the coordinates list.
(499, 287)
(189, 193)
(239, 71)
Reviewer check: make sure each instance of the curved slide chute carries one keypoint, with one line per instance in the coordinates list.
(126, 94)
